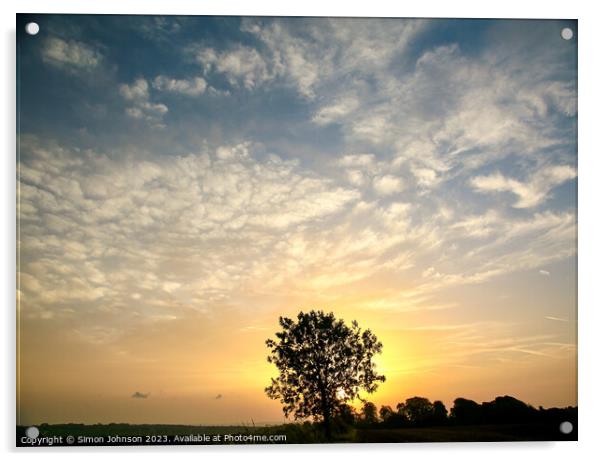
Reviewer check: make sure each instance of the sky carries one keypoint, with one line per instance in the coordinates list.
(184, 181)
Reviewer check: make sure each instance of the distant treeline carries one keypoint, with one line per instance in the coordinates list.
(420, 411)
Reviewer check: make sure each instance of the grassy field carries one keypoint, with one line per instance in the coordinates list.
(100, 434)
(484, 433)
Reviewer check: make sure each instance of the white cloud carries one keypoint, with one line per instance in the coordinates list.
(336, 111)
(544, 272)
(555, 319)
(141, 108)
(312, 57)
(356, 177)
(357, 160)
(530, 193)
(387, 184)
(70, 54)
(147, 111)
(480, 225)
(426, 177)
(137, 91)
(189, 87)
(326, 51)
(289, 58)
(242, 65)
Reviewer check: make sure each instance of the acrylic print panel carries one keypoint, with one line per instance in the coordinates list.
(295, 230)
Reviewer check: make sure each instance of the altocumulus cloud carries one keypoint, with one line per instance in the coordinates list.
(92, 227)
(93, 222)
(140, 107)
(70, 54)
(241, 66)
(189, 87)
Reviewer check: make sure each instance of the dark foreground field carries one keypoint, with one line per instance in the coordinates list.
(126, 434)
(486, 433)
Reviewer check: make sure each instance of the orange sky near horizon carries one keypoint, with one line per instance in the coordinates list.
(183, 365)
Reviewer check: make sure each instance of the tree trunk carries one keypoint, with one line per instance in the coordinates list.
(325, 406)
(327, 431)
(325, 411)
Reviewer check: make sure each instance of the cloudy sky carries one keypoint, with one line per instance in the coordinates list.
(184, 181)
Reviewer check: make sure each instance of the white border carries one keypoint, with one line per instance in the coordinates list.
(590, 195)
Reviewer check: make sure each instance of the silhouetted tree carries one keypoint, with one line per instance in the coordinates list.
(439, 415)
(554, 416)
(323, 364)
(385, 413)
(507, 409)
(345, 415)
(369, 413)
(417, 410)
(465, 411)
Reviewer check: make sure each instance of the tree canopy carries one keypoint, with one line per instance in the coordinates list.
(323, 363)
